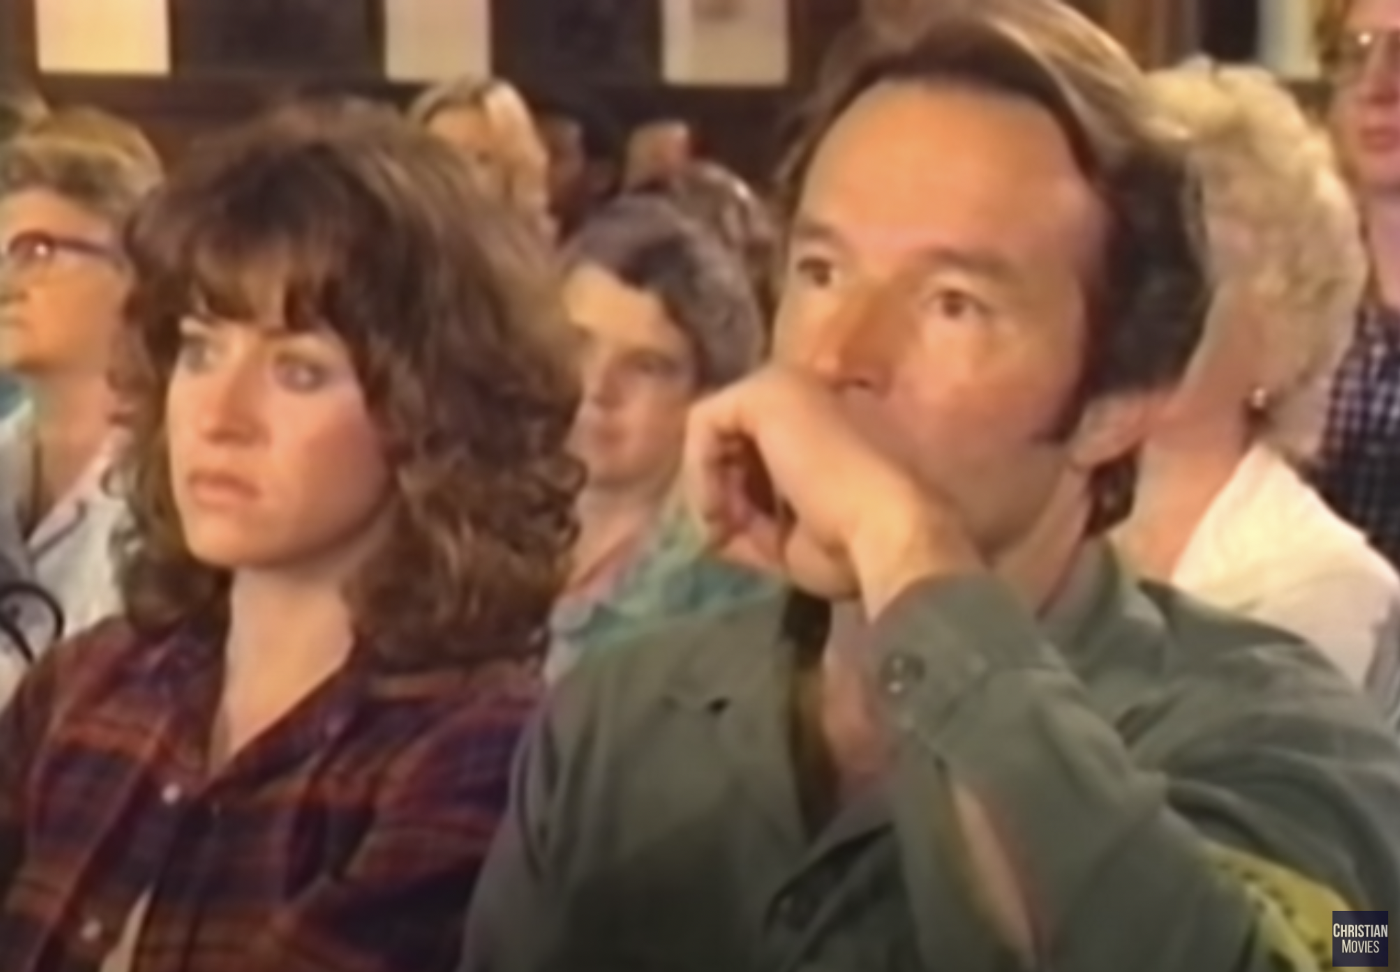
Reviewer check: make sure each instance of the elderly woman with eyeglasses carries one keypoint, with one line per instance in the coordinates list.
(1223, 511)
(67, 184)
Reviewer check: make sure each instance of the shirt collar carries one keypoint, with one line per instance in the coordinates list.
(17, 458)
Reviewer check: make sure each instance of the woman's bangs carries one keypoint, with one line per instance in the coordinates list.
(235, 275)
(257, 254)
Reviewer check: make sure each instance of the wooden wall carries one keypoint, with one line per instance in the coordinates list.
(232, 56)
(334, 45)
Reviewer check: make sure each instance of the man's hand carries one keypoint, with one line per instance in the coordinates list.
(780, 481)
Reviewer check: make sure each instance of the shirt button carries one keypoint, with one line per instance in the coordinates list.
(91, 932)
(900, 674)
(171, 794)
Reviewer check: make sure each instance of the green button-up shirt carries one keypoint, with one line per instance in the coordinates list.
(1180, 791)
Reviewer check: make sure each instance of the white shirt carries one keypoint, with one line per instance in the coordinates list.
(69, 554)
(1269, 547)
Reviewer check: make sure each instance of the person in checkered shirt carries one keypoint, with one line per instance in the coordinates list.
(1359, 470)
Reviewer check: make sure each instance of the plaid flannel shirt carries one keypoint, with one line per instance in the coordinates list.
(347, 837)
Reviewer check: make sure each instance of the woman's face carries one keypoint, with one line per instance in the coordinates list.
(275, 461)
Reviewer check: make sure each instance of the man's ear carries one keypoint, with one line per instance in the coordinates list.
(1114, 425)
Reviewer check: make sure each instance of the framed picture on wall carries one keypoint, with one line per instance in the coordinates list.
(340, 37)
(602, 41)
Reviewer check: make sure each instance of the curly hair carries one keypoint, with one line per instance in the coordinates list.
(1285, 237)
(1149, 298)
(448, 309)
(517, 147)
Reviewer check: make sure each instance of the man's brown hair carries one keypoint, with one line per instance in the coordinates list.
(377, 232)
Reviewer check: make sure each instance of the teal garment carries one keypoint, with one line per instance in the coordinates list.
(671, 577)
(12, 394)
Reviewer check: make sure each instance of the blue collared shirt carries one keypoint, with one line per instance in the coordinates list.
(69, 553)
(671, 576)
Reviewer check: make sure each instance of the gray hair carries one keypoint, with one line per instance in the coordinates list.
(95, 160)
(1283, 235)
(649, 244)
(731, 209)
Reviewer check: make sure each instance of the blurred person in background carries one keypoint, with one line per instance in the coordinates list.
(662, 314)
(1222, 510)
(489, 123)
(20, 107)
(1359, 466)
(67, 185)
(585, 150)
(348, 403)
(657, 149)
(733, 211)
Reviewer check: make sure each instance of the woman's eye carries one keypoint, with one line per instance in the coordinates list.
(300, 375)
(817, 271)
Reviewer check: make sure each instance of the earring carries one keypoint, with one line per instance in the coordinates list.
(1258, 400)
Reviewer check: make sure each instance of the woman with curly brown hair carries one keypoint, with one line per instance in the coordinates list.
(352, 506)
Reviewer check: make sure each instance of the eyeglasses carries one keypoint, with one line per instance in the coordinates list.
(35, 251)
(1357, 51)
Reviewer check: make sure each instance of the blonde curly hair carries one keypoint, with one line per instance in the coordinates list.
(517, 146)
(1283, 233)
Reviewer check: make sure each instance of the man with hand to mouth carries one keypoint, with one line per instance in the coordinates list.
(968, 739)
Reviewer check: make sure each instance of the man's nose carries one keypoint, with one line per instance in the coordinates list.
(857, 345)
